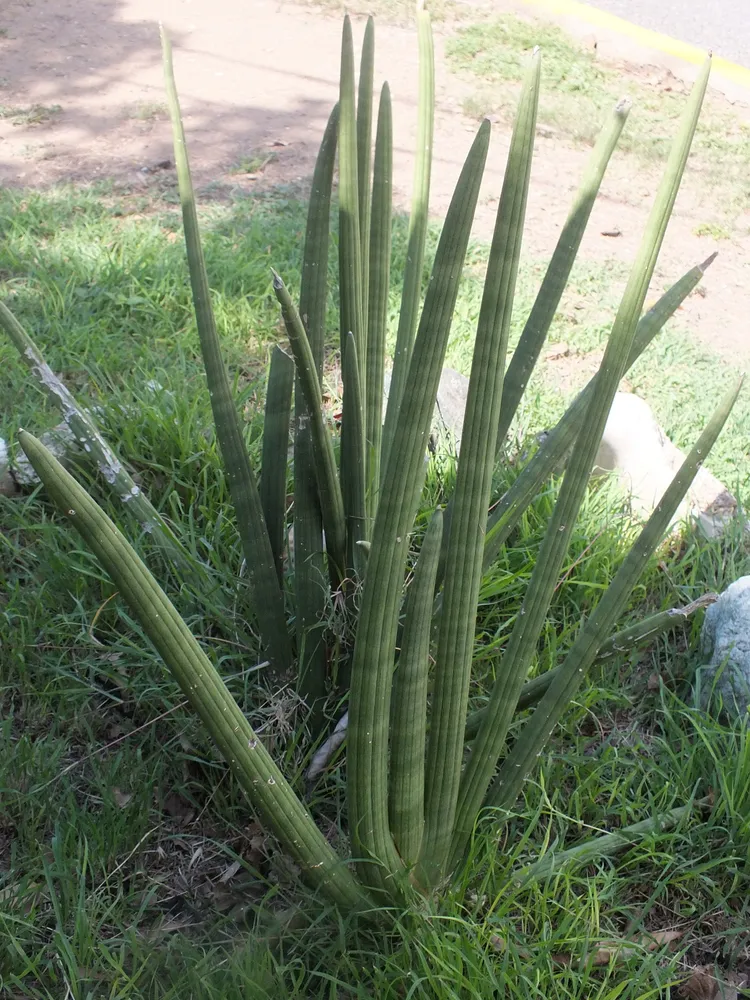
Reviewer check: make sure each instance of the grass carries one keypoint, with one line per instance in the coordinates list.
(390, 11)
(712, 229)
(147, 111)
(579, 89)
(35, 114)
(131, 866)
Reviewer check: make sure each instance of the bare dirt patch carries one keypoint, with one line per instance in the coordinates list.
(259, 79)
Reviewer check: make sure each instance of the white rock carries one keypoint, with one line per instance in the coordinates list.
(635, 448)
(60, 441)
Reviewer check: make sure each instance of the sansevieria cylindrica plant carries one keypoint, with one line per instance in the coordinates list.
(420, 768)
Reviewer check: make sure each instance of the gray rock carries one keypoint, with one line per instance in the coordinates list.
(7, 482)
(725, 642)
(448, 419)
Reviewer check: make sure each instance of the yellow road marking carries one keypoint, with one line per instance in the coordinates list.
(644, 36)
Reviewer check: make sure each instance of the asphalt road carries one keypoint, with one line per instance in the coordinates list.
(720, 25)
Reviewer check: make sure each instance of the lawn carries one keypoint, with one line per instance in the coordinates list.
(130, 865)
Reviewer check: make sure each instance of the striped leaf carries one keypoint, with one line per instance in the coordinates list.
(455, 647)
(267, 596)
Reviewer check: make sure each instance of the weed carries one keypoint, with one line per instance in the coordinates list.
(147, 111)
(36, 114)
(712, 229)
(254, 163)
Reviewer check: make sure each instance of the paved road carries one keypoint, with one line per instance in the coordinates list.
(721, 25)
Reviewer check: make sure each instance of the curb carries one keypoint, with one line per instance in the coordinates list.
(644, 36)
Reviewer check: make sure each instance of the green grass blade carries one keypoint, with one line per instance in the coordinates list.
(618, 644)
(556, 277)
(536, 732)
(264, 784)
(87, 434)
(378, 288)
(409, 712)
(353, 450)
(559, 441)
(455, 647)
(331, 501)
(310, 585)
(402, 480)
(267, 596)
(364, 160)
(275, 451)
(524, 637)
(412, 290)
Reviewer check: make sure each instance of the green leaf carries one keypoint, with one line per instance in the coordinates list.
(275, 450)
(412, 288)
(556, 277)
(310, 589)
(262, 781)
(364, 158)
(504, 516)
(409, 712)
(621, 642)
(331, 501)
(455, 647)
(352, 447)
(524, 637)
(568, 679)
(350, 247)
(379, 287)
(403, 475)
(267, 596)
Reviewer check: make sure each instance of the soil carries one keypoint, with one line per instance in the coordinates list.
(257, 81)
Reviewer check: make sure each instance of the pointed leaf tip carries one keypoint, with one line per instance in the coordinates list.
(708, 261)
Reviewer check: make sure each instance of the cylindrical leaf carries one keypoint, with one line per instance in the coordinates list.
(409, 713)
(528, 625)
(372, 671)
(267, 596)
(418, 220)
(558, 271)
(559, 441)
(618, 644)
(310, 586)
(364, 159)
(455, 647)
(275, 450)
(352, 446)
(378, 288)
(331, 502)
(566, 682)
(250, 762)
